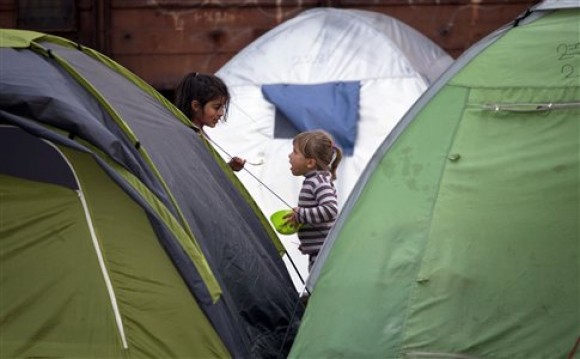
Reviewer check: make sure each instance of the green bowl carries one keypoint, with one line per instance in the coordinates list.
(278, 220)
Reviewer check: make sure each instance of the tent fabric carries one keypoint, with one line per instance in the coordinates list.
(332, 106)
(462, 237)
(322, 48)
(556, 4)
(41, 233)
(193, 267)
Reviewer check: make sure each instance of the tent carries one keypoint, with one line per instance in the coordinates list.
(353, 73)
(122, 233)
(461, 239)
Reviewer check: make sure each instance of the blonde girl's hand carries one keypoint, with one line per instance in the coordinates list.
(237, 163)
(292, 218)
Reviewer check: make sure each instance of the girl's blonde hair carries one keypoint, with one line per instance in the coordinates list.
(319, 145)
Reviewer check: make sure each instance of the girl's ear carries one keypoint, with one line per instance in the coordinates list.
(310, 163)
(195, 105)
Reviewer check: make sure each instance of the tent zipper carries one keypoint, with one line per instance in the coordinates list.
(530, 107)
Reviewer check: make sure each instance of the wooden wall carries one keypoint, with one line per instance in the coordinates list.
(161, 40)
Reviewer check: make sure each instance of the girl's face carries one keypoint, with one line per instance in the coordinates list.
(210, 114)
(300, 165)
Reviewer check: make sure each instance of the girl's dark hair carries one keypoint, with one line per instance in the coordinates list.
(319, 145)
(200, 87)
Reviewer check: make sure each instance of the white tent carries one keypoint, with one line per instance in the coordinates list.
(354, 73)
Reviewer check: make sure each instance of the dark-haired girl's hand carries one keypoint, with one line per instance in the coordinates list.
(237, 163)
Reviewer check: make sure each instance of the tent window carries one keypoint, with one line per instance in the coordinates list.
(47, 15)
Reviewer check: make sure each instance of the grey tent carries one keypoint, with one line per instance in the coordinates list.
(122, 234)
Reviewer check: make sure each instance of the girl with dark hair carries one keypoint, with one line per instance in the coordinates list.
(204, 99)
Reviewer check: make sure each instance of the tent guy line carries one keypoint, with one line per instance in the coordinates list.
(277, 196)
(249, 172)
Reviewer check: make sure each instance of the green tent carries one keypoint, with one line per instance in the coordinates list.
(122, 233)
(462, 237)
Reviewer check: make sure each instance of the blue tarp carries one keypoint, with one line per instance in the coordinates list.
(332, 107)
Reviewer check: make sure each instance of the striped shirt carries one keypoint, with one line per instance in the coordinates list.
(317, 210)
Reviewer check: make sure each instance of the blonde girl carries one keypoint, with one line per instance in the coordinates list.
(316, 157)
